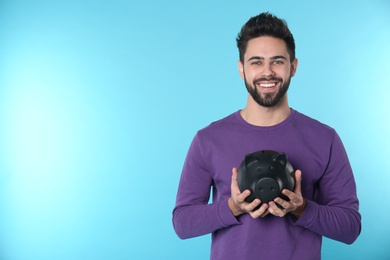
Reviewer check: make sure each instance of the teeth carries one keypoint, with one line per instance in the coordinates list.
(268, 85)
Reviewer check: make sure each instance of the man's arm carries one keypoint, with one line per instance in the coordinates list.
(192, 215)
(334, 212)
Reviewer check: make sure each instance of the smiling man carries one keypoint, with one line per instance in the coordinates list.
(274, 87)
(323, 201)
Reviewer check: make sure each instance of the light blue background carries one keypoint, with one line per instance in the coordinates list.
(99, 101)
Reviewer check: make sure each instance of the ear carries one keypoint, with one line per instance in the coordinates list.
(249, 159)
(241, 69)
(280, 158)
(294, 66)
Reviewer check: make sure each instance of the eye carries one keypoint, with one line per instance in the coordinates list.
(256, 63)
(278, 62)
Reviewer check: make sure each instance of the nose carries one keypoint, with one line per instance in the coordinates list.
(267, 70)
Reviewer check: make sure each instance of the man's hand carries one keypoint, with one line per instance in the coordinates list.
(296, 205)
(237, 203)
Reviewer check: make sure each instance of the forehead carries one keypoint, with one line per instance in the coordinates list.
(266, 47)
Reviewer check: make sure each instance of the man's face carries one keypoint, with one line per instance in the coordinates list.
(267, 70)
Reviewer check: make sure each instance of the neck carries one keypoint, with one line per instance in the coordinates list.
(258, 115)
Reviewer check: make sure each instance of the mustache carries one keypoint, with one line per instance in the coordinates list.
(267, 79)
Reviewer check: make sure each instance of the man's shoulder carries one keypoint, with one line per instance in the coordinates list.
(222, 123)
(313, 125)
(220, 127)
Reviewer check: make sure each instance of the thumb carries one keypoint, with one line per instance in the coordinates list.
(298, 181)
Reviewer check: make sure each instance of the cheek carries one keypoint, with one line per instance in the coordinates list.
(287, 73)
(250, 75)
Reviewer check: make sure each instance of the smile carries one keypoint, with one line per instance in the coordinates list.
(267, 85)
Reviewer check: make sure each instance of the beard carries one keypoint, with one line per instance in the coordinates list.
(269, 99)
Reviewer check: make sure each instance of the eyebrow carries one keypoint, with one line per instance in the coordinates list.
(272, 58)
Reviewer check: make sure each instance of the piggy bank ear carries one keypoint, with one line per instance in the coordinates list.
(280, 158)
(249, 159)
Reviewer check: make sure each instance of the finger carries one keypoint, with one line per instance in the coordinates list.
(260, 212)
(251, 206)
(275, 210)
(237, 195)
(298, 181)
(234, 174)
(234, 183)
(265, 213)
(289, 194)
(282, 202)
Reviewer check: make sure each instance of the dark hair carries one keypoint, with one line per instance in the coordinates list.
(265, 24)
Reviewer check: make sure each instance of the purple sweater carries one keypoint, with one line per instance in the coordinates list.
(327, 184)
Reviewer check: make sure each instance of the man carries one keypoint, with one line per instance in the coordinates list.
(324, 200)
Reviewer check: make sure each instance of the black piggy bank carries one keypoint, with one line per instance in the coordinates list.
(265, 173)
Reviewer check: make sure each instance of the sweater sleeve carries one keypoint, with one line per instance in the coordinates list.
(334, 213)
(193, 215)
